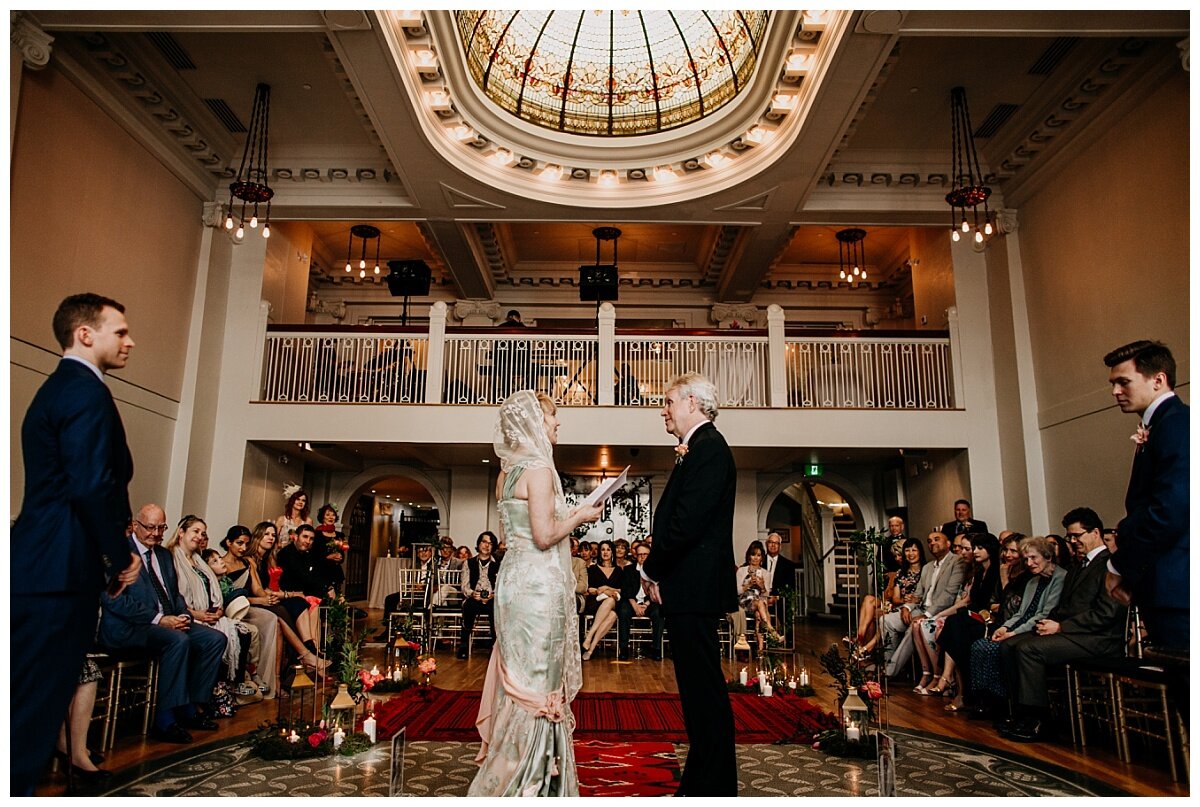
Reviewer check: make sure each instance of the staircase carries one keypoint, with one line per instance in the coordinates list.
(845, 565)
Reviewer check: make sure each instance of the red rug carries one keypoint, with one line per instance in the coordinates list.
(626, 769)
(439, 714)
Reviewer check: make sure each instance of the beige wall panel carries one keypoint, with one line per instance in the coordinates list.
(93, 211)
(932, 277)
(263, 479)
(932, 491)
(285, 275)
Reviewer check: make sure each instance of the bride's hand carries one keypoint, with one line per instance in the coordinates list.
(586, 514)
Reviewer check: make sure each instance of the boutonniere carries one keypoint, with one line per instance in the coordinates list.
(680, 452)
(1140, 436)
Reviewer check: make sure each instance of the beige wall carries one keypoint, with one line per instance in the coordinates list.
(934, 482)
(263, 479)
(932, 277)
(1105, 249)
(93, 211)
(285, 275)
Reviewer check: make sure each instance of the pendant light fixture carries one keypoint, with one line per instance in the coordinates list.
(365, 232)
(966, 176)
(852, 263)
(250, 186)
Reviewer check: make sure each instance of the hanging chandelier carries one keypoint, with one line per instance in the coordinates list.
(250, 186)
(365, 232)
(967, 188)
(851, 261)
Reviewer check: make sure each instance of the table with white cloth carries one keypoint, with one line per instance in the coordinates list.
(385, 579)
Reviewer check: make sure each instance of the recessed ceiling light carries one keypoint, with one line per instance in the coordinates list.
(372, 490)
(487, 460)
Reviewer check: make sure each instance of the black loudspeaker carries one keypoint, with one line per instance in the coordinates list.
(408, 278)
(597, 283)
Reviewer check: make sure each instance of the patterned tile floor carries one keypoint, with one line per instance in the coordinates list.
(926, 765)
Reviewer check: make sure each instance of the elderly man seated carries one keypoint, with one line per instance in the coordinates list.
(151, 613)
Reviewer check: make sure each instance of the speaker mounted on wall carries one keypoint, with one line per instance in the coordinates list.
(408, 278)
(598, 283)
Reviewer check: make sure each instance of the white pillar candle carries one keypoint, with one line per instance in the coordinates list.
(742, 678)
(396, 675)
(852, 733)
(369, 726)
(804, 678)
(375, 670)
(792, 684)
(294, 737)
(339, 737)
(766, 691)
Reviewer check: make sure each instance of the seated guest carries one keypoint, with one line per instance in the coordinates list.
(446, 563)
(463, 553)
(752, 591)
(304, 569)
(963, 522)
(586, 552)
(579, 571)
(970, 622)
(634, 602)
(81, 760)
(1087, 623)
(1065, 551)
(940, 583)
(392, 601)
(603, 592)
(893, 561)
(151, 613)
(1026, 599)
(479, 589)
(248, 565)
(621, 548)
(1012, 565)
(900, 588)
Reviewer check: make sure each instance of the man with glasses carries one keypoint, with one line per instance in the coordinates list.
(70, 535)
(1086, 624)
(634, 602)
(151, 613)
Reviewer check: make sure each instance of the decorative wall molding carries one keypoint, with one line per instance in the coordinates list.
(213, 215)
(727, 238)
(487, 239)
(738, 315)
(476, 310)
(32, 42)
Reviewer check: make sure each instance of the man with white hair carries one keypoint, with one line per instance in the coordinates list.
(690, 572)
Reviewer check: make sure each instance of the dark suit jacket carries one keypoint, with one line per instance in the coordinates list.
(303, 571)
(1152, 540)
(75, 513)
(127, 619)
(692, 554)
(631, 582)
(785, 575)
(949, 529)
(1085, 609)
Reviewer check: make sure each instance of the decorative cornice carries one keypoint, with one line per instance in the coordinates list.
(477, 308)
(213, 215)
(885, 72)
(28, 38)
(737, 315)
(718, 257)
(487, 238)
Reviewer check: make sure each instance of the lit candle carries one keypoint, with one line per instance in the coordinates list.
(369, 726)
(852, 733)
(792, 684)
(396, 675)
(375, 670)
(294, 737)
(766, 690)
(804, 678)
(742, 677)
(322, 724)
(339, 737)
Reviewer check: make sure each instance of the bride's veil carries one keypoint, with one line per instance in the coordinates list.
(520, 437)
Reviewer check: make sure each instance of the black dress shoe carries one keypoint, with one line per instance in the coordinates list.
(199, 722)
(1029, 731)
(461, 654)
(172, 734)
(89, 778)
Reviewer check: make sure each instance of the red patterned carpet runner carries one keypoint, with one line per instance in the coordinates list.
(439, 714)
(626, 769)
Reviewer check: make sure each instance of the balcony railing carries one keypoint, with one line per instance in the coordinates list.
(750, 368)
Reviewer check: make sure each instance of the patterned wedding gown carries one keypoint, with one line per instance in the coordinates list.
(525, 716)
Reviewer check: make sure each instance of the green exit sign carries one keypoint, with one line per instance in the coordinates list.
(813, 469)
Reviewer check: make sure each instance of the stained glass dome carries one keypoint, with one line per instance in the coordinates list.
(611, 73)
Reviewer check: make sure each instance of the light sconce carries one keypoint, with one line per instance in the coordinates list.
(797, 66)
(782, 103)
(551, 173)
(427, 64)
(608, 179)
(439, 102)
(664, 173)
(366, 232)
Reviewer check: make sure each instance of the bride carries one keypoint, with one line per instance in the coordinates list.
(525, 716)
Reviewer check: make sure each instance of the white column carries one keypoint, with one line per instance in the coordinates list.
(956, 359)
(776, 356)
(977, 369)
(1035, 468)
(29, 47)
(606, 354)
(240, 369)
(434, 367)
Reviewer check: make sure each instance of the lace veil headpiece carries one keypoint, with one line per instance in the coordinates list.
(520, 436)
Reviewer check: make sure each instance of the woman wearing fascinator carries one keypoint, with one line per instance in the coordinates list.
(525, 717)
(295, 513)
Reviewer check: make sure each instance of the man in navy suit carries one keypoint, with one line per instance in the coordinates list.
(690, 572)
(152, 613)
(963, 523)
(1150, 567)
(69, 539)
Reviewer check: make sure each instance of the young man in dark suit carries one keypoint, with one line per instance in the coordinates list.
(70, 535)
(1086, 624)
(690, 572)
(1151, 565)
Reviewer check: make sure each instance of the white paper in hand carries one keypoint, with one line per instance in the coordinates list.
(607, 488)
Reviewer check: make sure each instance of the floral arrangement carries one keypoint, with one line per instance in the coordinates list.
(427, 666)
(390, 686)
(369, 680)
(847, 673)
(275, 741)
(834, 743)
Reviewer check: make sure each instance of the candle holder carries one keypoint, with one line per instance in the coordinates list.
(301, 697)
(855, 719)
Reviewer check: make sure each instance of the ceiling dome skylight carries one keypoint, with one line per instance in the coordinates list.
(611, 73)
